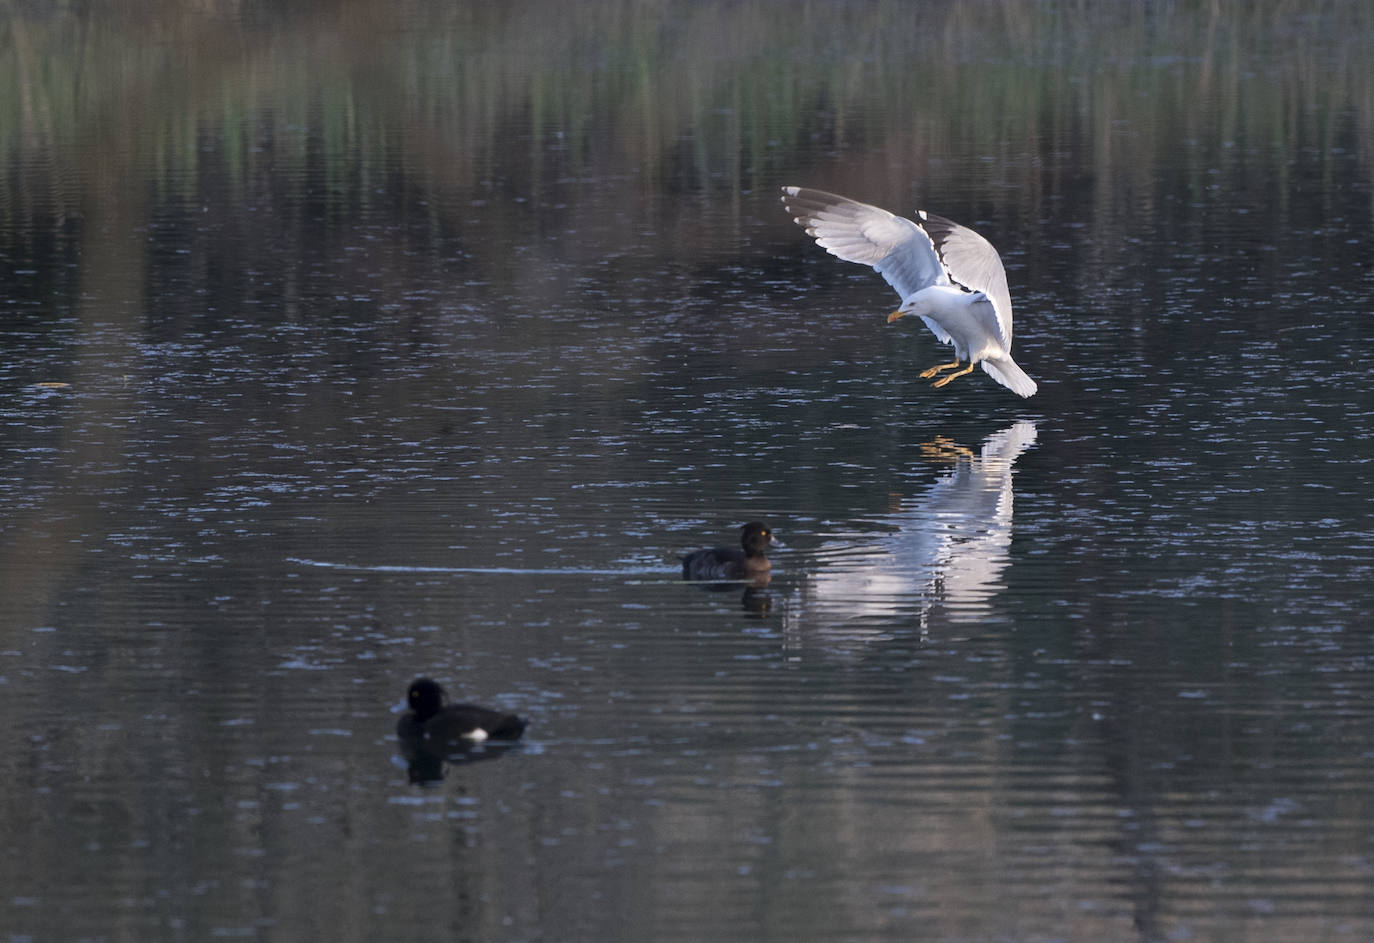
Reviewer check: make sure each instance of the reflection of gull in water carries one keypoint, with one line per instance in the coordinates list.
(949, 547)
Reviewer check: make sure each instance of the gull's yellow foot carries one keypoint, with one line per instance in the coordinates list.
(943, 380)
(927, 374)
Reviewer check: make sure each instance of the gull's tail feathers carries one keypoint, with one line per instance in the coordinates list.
(1005, 371)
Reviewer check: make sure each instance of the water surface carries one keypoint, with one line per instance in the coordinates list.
(354, 344)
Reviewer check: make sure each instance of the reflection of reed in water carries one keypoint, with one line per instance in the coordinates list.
(948, 547)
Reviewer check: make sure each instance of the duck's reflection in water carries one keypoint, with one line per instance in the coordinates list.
(756, 600)
(946, 548)
(426, 764)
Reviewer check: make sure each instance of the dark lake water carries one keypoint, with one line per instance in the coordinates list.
(367, 341)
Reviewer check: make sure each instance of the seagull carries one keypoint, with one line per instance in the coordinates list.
(946, 274)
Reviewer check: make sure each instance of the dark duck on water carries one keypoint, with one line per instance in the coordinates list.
(431, 720)
(749, 562)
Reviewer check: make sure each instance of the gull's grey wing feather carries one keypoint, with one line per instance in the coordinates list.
(974, 263)
(858, 232)
(985, 311)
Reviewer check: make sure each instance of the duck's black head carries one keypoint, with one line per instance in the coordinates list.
(425, 697)
(755, 537)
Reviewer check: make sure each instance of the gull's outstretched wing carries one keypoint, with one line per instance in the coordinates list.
(972, 262)
(858, 232)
